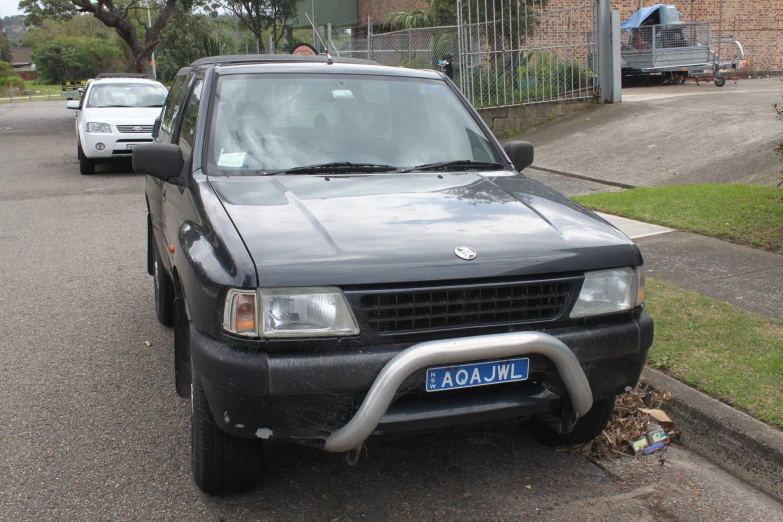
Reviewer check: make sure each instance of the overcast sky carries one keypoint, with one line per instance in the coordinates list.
(9, 8)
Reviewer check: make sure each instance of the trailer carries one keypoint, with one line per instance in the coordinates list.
(654, 40)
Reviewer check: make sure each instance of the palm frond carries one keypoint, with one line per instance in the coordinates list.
(410, 19)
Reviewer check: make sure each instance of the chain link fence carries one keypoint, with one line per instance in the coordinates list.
(419, 48)
(502, 52)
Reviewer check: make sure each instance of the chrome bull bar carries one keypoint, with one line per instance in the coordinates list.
(447, 351)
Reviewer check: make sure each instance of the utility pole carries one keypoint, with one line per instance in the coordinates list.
(149, 24)
(315, 24)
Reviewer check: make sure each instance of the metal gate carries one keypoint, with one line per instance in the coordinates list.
(526, 51)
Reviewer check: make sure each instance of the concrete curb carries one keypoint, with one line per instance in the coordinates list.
(731, 439)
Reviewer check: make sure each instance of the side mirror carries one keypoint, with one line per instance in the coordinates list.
(73, 104)
(156, 127)
(520, 153)
(162, 161)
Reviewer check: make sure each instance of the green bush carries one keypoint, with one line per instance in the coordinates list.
(488, 87)
(548, 75)
(76, 58)
(417, 62)
(6, 70)
(13, 84)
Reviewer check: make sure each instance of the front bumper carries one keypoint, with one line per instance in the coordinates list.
(343, 397)
(116, 144)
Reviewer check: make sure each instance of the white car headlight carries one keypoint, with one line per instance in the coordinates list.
(289, 312)
(608, 291)
(98, 127)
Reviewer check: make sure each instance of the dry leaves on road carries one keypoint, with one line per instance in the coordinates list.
(632, 413)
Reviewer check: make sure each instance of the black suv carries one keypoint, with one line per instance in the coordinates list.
(344, 250)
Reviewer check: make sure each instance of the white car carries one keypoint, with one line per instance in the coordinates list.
(115, 114)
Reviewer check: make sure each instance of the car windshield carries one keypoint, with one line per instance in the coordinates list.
(127, 95)
(274, 123)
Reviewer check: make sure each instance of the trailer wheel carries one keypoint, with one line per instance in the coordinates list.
(720, 81)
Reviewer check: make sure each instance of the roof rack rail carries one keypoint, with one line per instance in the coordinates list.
(123, 75)
(237, 59)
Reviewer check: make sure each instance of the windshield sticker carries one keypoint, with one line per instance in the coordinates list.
(231, 159)
(342, 93)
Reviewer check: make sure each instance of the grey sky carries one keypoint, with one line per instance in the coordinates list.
(9, 8)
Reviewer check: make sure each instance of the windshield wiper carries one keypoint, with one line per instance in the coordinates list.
(457, 165)
(338, 166)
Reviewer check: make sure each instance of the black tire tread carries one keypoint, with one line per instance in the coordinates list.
(182, 363)
(221, 463)
(86, 165)
(586, 429)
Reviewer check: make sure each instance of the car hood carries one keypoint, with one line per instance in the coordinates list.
(373, 229)
(122, 115)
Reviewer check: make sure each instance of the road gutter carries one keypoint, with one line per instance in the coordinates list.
(584, 178)
(734, 441)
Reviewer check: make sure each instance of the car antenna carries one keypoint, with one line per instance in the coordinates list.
(329, 60)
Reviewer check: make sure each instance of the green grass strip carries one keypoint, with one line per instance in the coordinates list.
(746, 214)
(728, 353)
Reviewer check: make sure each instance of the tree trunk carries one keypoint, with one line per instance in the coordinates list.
(108, 14)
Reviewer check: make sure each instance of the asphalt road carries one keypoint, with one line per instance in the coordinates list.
(91, 429)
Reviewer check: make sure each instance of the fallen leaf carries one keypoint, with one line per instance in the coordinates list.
(528, 487)
(658, 415)
(147, 343)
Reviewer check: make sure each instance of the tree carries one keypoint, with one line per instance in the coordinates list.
(76, 58)
(181, 42)
(115, 15)
(5, 45)
(258, 16)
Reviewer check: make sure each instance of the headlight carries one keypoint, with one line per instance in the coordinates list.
(98, 127)
(305, 312)
(607, 291)
(289, 312)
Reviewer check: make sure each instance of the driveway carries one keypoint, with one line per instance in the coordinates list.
(669, 135)
(91, 428)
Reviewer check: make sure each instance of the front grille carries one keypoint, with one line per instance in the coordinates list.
(135, 128)
(477, 305)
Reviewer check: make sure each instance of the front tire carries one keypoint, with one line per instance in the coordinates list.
(221, 463)
(586, 428)
(164, 291)
(86, 165)
(720, 81)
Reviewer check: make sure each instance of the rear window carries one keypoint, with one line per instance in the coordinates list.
(127, 95)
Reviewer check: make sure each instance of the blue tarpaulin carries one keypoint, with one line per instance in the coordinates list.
(640, 16)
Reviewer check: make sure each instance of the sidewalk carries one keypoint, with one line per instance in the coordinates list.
(749, 279)
(744, 277)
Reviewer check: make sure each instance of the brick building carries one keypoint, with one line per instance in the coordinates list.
(758, 24)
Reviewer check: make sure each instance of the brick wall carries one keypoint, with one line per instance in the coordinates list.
(380, 9)
(758, 24)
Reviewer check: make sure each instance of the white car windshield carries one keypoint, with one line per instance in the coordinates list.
(126, 95)
(272, 123)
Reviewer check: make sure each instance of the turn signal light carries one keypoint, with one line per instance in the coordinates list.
(246, 313)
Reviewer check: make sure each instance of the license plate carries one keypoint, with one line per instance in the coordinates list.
(476, 374)
(130, 146)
